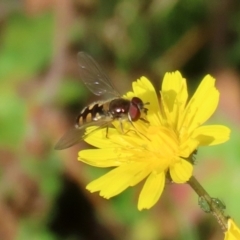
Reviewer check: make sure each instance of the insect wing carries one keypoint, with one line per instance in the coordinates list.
(94, 77)
(70, 138)
(76, 135)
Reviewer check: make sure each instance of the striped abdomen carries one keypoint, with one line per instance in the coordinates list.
(93, 113)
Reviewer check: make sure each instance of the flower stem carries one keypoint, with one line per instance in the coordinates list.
(214, 207)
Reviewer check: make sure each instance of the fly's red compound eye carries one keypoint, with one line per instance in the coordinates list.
(135, 109)
(137, 101)
(134, 113)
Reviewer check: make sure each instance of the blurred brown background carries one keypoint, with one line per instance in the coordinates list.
(42, 191)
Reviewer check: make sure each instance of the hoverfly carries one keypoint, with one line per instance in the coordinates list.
(101, 113)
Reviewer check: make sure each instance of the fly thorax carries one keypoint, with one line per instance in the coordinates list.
(119, 108)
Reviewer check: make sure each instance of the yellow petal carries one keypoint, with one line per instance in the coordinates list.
(152, 190)
(146, 169)
(187, 147)
(115, 181)
(233, 232)
(155, 119)
(108, 157)
(100, 137)
(181, 171)
(201, 106)
(174, 96)
(144, 89)
(211, 135)
(129, 141)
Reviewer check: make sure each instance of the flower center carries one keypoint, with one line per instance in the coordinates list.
(163, 146)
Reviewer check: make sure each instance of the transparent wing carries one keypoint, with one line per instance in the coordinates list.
(94, 77)
(76, 135)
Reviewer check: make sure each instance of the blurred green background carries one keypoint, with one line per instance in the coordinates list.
(42, 191)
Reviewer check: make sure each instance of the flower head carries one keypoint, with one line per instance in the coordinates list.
(160, 148)
(233, 232)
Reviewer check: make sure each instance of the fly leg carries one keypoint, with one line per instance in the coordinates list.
(136, 131)
(144, 120)
(121, 126)
(107, 131)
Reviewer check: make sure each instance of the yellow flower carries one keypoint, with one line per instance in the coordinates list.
(160, 148)
(233, 232)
